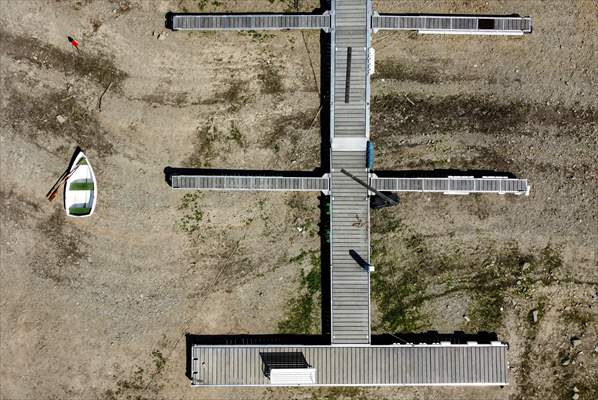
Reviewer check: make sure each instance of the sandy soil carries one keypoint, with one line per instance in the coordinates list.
(98, 308)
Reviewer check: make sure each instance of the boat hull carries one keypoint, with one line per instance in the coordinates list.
(80, 189)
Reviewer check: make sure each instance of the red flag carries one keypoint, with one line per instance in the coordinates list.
(73, 42)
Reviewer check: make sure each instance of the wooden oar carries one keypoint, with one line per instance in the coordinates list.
(54, 191)
(65, 173)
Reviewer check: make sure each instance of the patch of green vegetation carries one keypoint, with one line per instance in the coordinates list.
(339, 393)
(206, 137)
(139, 385)
(509, 272)
(303, 310)
(398, 286)
(529, 358)
(236, 95)
(257, 36)
(271, 78)
(302, 214)
(551, 261)
(299, 257)
(409, 272)
(192, 217)
(159, 360)
(202, 4)
(126, 388)
(249, 220)
(577, 315)
(389, 223)
(492, 284)
(291, 5)
(294, 139)
(236, 135)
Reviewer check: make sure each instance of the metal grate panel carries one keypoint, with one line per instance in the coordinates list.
(491, 25)
(350, 283)
(393, 365)
(452, 185)
(250, 183)
(211, 22)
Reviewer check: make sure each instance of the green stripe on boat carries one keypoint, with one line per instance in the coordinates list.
(79, 210)
(81, 186)
(82, 161)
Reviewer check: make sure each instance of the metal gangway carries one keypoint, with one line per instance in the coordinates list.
(223, 22)
(455, 25)
(251, 183)
(457, 185)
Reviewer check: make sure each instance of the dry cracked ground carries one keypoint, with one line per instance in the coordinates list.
(98, 308)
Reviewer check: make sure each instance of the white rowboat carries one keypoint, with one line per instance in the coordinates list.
(80, 189)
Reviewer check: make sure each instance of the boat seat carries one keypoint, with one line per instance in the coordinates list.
(81, 185)
(79, 210)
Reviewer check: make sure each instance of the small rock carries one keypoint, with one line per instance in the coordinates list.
(575, 389)
(565, 361)
(575, 396)
(534, 316)
(575, 341)
(61, 120)
(161, 35)
(466, 318)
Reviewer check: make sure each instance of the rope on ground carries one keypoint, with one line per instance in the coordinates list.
(102, 95)
(306, 136)
(311, 64)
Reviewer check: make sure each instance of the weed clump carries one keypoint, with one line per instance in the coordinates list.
(236, 95)
(159, 360)
(303, 316)
(192, 217)
(271, 78)
(204, 148)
